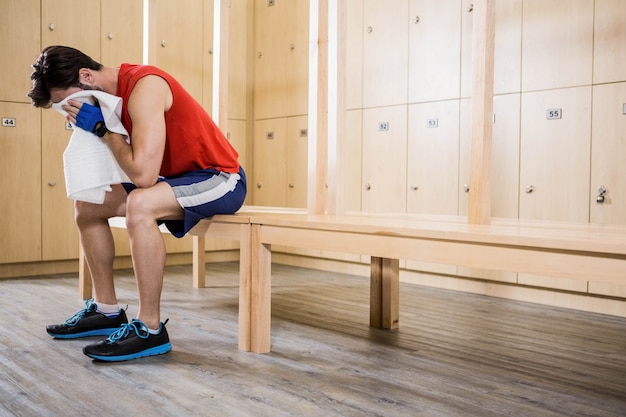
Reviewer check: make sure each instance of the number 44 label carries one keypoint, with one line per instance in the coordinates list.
(8, 122)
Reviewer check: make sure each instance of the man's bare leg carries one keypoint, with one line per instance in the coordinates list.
(144, 207)
(97, 241)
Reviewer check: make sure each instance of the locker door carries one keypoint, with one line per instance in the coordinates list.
(62, 24)
(434, 50)
(178, 43)
(238, 54)
(20, 171)
(384, 159)
(505, 170)
(608, 147)
(59, 232)
(269, 183)
(508, 47)
(297, 81)
(350, 165)
(122, 32)
(385, 52)
(271, 49)
(297, 163)
(237, 134)
(504, 153)
(609, 49)
(557, 43)
(433, 158)
(355, 34)
(23, 18)
(555, 155)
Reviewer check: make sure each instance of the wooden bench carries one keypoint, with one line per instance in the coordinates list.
(585, 252)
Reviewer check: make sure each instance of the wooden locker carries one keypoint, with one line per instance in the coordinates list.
(350, 163)
(121, 39)
(433, 158)
(609, 48)
(384, 164)
(508, 47)
(297, 163)
(237, 135)
(297, 77)
(434, 50)
(239, 59)
(504, 153)
(557, 43)
(62, 23)
(608, 147)
(555, 155)
(271, 49)
(178, 42)
(18, 18)
(59, 232)
(432, 166)
(385, 52)
(505, 170)
(269, 179)
(355, 34)
(20, 187)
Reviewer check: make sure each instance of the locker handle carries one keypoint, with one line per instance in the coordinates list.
(601, 194)
(530, 189)
(368, 186)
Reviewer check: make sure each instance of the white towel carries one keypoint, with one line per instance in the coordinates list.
(89, 165)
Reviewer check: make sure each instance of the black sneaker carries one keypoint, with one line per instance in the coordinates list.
(87, 322)
(131, 341)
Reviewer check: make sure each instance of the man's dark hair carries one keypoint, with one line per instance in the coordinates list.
(57, 67)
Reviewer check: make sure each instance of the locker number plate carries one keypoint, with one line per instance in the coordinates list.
(383, 126)
(8, 122)
(432, 123)
(553, 114)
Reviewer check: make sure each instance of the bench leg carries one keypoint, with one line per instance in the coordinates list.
(199, 261)
(84, 276)
(245, 278)
(255, 291)
(385, 293)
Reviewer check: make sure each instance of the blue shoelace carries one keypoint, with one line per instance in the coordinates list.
(90, 305)
(126, 328)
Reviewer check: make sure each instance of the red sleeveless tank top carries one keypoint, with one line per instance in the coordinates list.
(192, 139)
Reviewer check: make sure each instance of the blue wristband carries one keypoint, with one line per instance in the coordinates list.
(88, 117)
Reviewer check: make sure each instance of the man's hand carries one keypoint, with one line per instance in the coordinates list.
(89, 117)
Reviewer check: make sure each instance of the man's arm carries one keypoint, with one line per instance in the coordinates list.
(150, 99)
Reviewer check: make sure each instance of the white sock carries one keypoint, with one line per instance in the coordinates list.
(109, 310)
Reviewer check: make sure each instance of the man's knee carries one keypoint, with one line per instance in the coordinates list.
(139, 207)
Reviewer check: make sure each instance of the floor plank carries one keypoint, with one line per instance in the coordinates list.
(455, 354)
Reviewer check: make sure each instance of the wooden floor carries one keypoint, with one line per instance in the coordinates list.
(454, 355)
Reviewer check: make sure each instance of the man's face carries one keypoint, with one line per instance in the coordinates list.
(58, 94)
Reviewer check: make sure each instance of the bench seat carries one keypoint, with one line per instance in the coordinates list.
(576, 251)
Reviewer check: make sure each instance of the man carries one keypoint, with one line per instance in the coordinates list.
(182, 169)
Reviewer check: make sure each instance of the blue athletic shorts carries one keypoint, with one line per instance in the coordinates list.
(202, 194)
